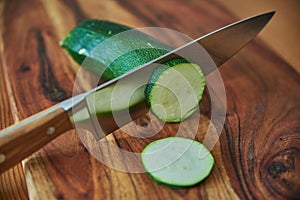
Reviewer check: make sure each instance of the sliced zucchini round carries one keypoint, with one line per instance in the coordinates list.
(173, 93)
(177, 161)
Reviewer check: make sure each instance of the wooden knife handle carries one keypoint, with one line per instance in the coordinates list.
(24, 138)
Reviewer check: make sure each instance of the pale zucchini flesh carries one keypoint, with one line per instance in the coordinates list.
(175, 93)
(177, 161)
(111, 100)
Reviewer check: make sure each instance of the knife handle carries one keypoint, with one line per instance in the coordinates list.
(26, 137)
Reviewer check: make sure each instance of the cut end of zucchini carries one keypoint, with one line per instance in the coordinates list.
(177, 161)
(174, 92)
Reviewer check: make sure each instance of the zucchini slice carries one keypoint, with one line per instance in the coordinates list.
(177, 161)
(173, 93)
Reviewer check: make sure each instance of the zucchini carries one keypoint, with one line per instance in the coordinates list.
(177, 161)
(89, 46)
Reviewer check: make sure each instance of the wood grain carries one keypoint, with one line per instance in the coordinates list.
(253, 149)
(257, 156)
(12, 182)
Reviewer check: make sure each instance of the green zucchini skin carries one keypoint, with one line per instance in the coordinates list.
(89, 34)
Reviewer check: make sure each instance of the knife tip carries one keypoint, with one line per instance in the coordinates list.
(270, 13)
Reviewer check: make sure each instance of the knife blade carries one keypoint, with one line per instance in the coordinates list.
(24, 138)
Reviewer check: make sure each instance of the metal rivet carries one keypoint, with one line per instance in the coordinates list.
(50, 130)
(2, 158)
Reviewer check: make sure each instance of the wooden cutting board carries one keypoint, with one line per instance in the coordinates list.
(257, 156)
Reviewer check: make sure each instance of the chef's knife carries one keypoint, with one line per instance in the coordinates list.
(24, 138)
